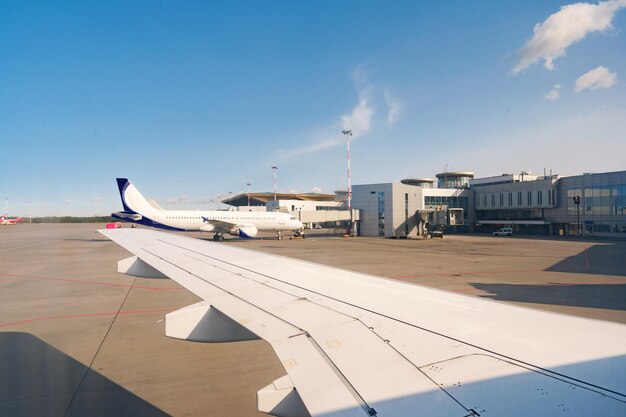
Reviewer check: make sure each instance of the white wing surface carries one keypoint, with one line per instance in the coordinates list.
(213, 225)
(357, 345)
(224, 225)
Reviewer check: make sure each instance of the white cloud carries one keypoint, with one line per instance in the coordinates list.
(393, 108)
(554, 93)
(360, 120)
(317, 189)
(597, 78)
(328, 141)
(97, 199)
(567, 26)
(176, 200)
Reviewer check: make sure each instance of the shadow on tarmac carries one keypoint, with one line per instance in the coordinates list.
(604, 296)
(607, 259)
(100, 239)
(38, 380)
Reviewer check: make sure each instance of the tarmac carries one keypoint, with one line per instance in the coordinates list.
(79, 339)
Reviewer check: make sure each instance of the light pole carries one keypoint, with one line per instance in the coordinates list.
(577, 202)
(348, 133)
(249, 185)
(274, 168)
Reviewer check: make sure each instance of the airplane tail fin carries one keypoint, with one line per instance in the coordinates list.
(155, 205)
(132, 200)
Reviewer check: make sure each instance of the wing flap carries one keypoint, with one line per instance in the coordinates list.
(389, 383)
(494, 387)
(322, 389)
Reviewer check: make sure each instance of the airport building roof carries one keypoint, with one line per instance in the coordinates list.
(455, 174)
(419, 182)
(260, 199)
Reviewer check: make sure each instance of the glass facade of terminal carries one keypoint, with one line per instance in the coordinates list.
(602, 207)
(381, 214)
(433, 202)
(510, 214)
(453, 181)
(602, 204)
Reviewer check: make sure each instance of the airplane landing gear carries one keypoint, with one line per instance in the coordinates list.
(280, 235)
(218, 237)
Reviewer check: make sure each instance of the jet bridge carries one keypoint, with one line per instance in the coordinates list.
(443, 217)
(311, 217)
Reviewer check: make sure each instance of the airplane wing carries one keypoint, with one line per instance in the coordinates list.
(357, 345)
(242, 229)
(221, 224)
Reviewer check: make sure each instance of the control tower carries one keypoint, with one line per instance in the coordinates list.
(454, 179)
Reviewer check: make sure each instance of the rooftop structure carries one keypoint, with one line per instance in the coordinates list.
(419, 182)
(508, 178)
(454, 179)
(261, 199)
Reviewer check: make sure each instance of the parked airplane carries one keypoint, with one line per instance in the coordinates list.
(237, 223)
(356, 345)
(5, 220)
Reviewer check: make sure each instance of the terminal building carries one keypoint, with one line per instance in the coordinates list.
(529, 204)
(546, 204)
(521, 201)
(245, 201)
(400, 210)
(602, 208)
(312, 209)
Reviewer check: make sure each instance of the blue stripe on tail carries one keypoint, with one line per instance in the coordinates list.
(122, 183)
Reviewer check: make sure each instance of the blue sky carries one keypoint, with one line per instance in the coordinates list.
(192, 100)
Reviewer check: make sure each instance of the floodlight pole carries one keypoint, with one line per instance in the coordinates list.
(348, 133)
(275, 168)
(248, 184)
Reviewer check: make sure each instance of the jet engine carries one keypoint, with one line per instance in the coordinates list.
(244, 231)
(126, 215)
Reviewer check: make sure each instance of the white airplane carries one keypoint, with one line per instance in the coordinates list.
(357, 345)
(243, 224)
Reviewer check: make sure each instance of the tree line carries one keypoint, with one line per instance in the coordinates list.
(70, 219)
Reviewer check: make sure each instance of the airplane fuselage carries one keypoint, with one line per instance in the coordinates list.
(189, 220)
